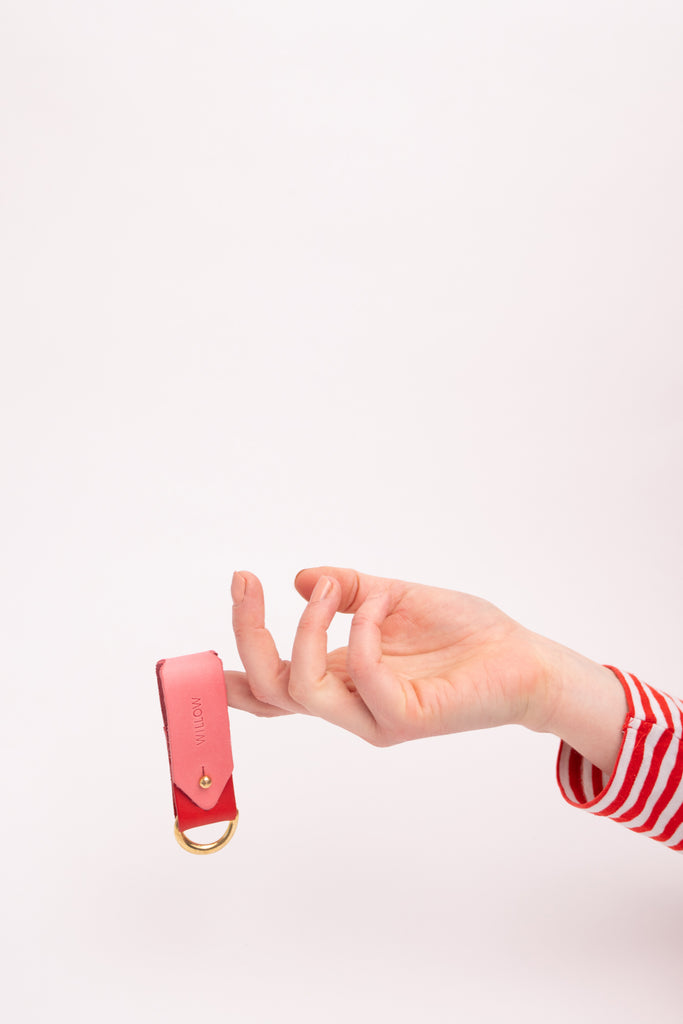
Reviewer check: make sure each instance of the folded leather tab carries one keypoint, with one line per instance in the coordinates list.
(197, 727)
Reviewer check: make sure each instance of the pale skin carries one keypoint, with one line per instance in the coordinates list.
(420, 661)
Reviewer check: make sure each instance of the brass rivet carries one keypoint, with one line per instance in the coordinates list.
(205, 781)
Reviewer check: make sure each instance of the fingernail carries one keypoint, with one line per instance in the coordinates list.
(237, 588)
(322, 589)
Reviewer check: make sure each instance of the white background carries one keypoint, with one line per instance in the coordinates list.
(392, 285)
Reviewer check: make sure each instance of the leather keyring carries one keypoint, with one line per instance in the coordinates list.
(197, 727)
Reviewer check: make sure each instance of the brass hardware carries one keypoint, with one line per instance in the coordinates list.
(218, 844)
(205, 781)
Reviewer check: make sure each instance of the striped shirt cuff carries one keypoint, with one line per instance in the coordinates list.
(645, 790)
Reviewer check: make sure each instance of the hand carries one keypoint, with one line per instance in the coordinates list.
(420, 661)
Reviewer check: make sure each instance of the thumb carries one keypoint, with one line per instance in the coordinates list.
(355, 586)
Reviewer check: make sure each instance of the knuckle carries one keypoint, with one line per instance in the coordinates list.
(361, 618)
(308, 623)
(381, 740)
(269, 691)
(298, 691)
(261, 694)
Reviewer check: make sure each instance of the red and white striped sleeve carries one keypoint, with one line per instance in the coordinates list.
(645, 790)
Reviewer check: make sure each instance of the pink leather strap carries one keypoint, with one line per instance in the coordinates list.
(195, 711)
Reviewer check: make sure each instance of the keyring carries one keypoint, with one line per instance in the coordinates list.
(217, 844)
(195, 712)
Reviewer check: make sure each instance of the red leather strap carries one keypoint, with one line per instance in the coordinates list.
(197, 728)
(189, 815)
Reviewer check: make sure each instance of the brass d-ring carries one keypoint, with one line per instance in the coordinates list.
(218, 844)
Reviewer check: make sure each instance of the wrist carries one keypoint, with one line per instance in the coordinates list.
(581, 702)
